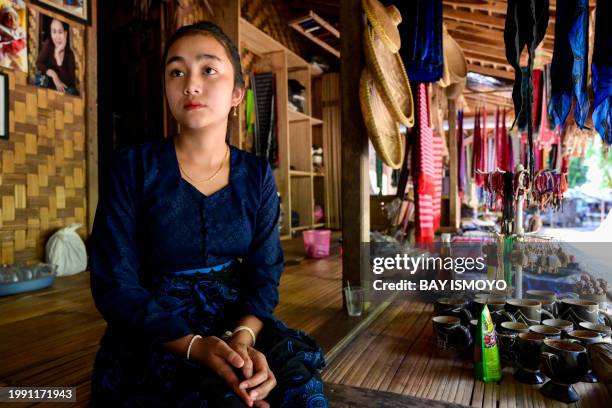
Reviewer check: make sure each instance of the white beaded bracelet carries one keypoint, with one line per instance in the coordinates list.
(197, 336)
(251, 332)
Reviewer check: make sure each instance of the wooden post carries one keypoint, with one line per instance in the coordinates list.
(455, 204)
(91, 115)
(355, 181)
(227, 15)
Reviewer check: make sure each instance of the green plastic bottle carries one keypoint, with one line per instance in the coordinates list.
(487, 367)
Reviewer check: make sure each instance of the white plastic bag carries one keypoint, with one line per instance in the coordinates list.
(67, 250)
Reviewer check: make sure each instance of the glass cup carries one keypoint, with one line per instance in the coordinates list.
(354, 300)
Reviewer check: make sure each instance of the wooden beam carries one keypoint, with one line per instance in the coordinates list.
(475, 39)
(493, 7)
(355, 178)
(496, 52)
(483, 19)
(469, 54)
(493, 38)
(490, 99)
(491, 71)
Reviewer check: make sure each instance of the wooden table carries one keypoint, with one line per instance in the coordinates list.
(397, 353)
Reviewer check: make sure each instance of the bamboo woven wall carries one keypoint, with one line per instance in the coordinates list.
(42, 177)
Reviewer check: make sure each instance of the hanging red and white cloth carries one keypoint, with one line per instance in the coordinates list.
(424, 172)
(438, 153)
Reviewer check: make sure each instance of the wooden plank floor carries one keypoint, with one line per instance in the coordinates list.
(50, 337)
(397, 354)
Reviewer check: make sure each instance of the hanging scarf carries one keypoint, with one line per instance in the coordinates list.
(424, 170)
(547, 135)
(536, 111)
(504, 152)
(569, 64)
(484, 139)
(550, 121)
(438, 153)
(526, 23)
(478, 152)
(492, 148)
(498, 139)
(460, 154)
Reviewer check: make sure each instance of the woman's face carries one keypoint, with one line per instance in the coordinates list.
(199, 82)
(58, 35)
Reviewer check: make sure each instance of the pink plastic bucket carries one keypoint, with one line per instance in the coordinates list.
(316, 242)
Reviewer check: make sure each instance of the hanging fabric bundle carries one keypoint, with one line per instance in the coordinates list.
(570, 61)
(601, 70)
(421, 34)
(526, 23)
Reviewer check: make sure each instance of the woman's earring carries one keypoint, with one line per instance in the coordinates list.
(234, 113)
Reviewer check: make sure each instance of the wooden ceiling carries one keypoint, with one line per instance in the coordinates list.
(478, 27)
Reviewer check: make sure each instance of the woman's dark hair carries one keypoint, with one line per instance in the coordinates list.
(46, 32)
(209, 28)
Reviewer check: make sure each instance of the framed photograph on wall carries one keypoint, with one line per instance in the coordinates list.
(79, 10)
(56, 53)
(4, 105)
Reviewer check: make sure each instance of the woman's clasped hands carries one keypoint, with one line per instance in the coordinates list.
(258, 380)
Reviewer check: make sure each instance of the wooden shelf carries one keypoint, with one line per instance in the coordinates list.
(294, 61)
(315, 121)
(318, 30)
(299, 173)
(256, 40)
(285, 237)
(295, 116)
(299, 228)
(295, 129)
(318, 225)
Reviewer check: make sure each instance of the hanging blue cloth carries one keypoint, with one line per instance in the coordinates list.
(569, 64)
(601, 70)
(421, 35)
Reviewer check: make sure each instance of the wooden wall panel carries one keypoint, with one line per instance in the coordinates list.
(42, 179)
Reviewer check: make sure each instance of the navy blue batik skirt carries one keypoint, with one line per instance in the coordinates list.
(132, 374)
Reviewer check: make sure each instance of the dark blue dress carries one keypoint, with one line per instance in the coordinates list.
(167, 261)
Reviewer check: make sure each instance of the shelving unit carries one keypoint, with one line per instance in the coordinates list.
(297, 181)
